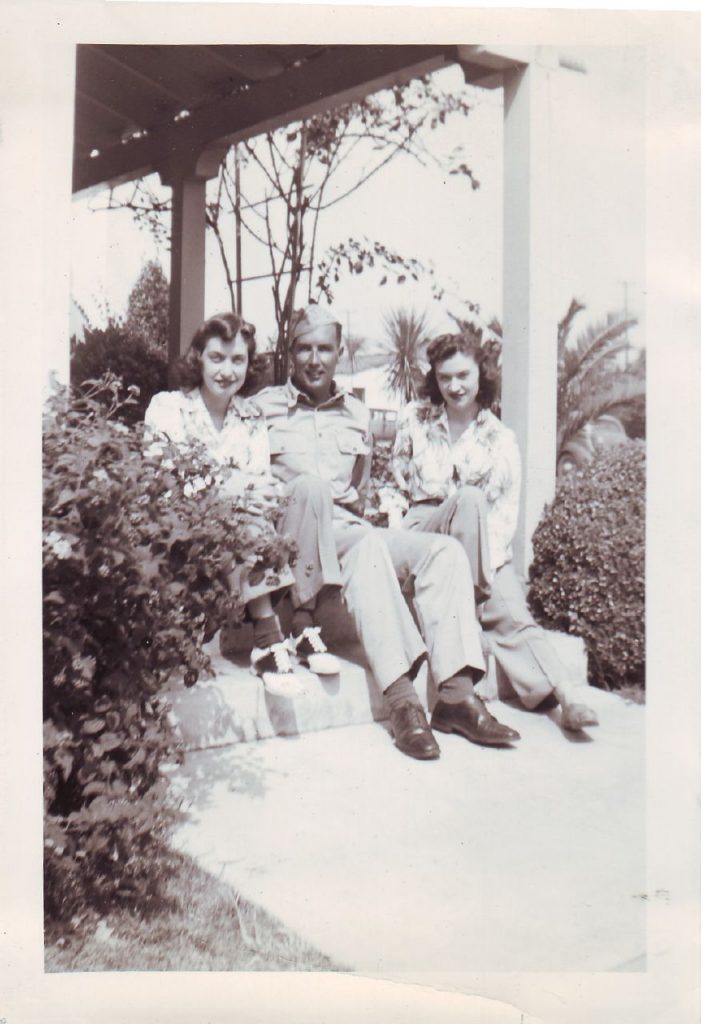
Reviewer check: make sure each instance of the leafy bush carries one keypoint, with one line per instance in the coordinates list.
(380, 476)
(137, 552)
(588, 570)
(135, 361)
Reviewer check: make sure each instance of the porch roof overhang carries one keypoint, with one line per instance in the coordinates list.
(147, 108)
(174, 109)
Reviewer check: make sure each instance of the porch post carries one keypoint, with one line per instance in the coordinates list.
(187, 250)
(187, 245)
(529, 358)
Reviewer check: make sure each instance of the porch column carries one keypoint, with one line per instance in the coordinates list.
(187, 264)
(187, 246)
(529, 358)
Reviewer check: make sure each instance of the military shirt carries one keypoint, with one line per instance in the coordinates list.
(330, 441)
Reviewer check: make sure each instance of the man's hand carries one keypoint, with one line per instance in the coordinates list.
(357, 507)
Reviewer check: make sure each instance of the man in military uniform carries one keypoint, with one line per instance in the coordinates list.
(319, 431)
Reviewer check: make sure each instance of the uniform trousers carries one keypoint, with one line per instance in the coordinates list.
(374, 567)
(520, 646)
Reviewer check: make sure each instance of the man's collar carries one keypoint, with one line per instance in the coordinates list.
(296, 397)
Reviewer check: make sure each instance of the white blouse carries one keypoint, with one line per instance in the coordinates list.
(183, 419)
(426, 464)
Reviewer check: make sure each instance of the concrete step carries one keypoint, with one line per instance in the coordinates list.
(233, 706)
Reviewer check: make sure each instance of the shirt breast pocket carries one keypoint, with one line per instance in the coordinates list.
(351, 442)
(285, 446)
(289, 456)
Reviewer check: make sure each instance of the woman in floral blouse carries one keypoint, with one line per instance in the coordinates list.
(458, 469)
(209, 410)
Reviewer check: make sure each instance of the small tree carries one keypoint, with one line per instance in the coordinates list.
(407, 332)
(305, 169)
(148, 307)
(134, 349)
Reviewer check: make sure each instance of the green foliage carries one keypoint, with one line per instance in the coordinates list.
(407, 333)
(148, 309)
(380, 476)
(591, 381)
(588, 571)
(137, 553)
(355, 256)
(137, 364)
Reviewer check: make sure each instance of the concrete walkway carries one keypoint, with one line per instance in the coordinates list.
(525, 859)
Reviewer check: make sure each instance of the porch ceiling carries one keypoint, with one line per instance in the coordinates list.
(138, 107)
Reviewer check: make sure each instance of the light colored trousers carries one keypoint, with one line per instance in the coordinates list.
(373, 567)
(521, 647)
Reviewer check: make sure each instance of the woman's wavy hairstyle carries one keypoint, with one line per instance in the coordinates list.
(469, 343)
(188, 371)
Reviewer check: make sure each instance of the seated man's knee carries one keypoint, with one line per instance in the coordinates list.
(449, 548)
(370, 550)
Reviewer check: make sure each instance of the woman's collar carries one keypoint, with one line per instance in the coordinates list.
(241, 406)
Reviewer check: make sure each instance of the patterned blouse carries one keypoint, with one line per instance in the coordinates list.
(426, 464)
(183, 418)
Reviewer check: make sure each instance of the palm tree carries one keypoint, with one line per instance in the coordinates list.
(591, 382)
(407, 333)
(595, 393)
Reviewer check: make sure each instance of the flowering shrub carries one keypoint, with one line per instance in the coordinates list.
(137, 554)
(588, 570)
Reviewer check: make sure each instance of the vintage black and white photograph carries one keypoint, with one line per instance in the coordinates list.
(346, 507)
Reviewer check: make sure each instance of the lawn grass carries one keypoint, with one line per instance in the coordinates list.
(201, 925)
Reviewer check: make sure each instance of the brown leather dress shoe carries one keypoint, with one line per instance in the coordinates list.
(471, 719)
(412, 734)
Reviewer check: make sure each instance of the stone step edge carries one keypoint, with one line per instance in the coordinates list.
(233, 707)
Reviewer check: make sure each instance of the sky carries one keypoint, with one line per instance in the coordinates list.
(597, 121)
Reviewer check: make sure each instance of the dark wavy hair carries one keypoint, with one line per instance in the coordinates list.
(468, 343)
(188, 371)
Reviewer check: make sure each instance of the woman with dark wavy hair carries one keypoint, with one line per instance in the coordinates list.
(209, 409)
(458, 469)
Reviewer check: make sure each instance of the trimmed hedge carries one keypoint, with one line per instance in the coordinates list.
(137, 552)
(588, 571)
